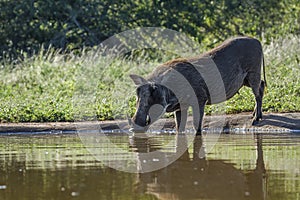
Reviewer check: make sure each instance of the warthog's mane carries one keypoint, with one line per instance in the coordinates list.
(209, 53)
(169, 65)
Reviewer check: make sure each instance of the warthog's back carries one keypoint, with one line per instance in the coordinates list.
(234, 59)
(245, 51)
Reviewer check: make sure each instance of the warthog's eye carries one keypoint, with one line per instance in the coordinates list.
(152, 88)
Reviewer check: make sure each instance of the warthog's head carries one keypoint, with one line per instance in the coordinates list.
(152, 102)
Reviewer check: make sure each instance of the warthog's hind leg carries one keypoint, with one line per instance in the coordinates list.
(257, 114)
(198, 114)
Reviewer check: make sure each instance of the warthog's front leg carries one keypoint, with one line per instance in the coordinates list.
(198, 113)
(180, 120)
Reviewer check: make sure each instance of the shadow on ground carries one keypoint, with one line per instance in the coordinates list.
(280, 121)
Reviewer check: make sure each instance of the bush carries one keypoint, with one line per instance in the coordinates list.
(70, 25)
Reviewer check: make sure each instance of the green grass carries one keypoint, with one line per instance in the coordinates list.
(51, 86)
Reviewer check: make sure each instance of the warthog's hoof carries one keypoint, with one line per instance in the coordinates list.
(199, 132)
(255, 122)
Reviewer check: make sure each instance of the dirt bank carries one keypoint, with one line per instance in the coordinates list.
(242, 120)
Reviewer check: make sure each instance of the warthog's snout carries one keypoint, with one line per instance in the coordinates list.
(141, 121)
(137, 128)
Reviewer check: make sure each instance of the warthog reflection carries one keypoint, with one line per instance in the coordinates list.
(195, 177)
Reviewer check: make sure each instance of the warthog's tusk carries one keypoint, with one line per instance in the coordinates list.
(129, 120)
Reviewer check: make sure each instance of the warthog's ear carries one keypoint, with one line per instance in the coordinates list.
(138, 80)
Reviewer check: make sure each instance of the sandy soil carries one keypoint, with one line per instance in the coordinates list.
(242, 120)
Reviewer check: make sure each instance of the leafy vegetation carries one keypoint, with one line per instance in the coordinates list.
(71, 25)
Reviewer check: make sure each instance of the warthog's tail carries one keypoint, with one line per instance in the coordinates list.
(264, 70)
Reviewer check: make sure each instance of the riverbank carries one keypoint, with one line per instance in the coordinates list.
(272, 121)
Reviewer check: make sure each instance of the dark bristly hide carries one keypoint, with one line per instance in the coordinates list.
(179, 84)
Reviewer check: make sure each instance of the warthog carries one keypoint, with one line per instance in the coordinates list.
(178, 84)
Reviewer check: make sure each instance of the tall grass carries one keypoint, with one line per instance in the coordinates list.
(52, 86)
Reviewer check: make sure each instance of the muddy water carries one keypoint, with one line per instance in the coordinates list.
(238, 167)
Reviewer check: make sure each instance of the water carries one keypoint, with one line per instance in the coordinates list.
(240, 166)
